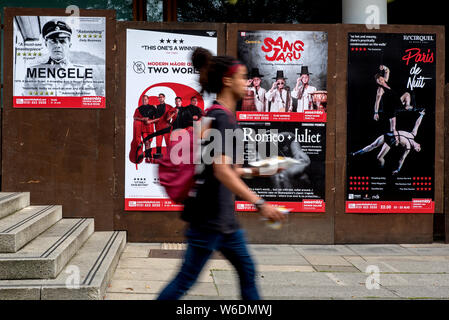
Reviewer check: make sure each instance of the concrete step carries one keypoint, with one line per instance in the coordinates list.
(11, 202)
(85, 277)
(21, 227)
(46, 255)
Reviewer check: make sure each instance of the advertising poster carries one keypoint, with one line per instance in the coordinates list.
(59, 62)
(159, 78)
(391, 123)
(285, 106)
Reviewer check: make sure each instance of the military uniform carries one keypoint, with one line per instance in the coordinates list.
(58, 77)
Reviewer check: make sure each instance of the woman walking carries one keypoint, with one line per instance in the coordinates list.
(212, 221)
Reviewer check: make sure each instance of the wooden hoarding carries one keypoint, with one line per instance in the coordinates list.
(61, 156)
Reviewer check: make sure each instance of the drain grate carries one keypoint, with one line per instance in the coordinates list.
(176, 254)
(173, 246)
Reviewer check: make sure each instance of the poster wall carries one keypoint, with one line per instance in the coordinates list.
(158, 72)
(286, 103)
(391, 123)
(59, 62)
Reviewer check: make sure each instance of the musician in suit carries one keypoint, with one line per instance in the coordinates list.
(144, 119)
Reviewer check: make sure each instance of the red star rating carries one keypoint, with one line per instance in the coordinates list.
(422, 181)
(358, 181)
(358, 49)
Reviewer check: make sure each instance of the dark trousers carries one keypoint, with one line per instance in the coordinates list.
(200, 246)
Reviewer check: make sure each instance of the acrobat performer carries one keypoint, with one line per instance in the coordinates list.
(406, 139)
(391, 101)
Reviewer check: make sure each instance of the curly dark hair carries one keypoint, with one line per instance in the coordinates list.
(212, 69)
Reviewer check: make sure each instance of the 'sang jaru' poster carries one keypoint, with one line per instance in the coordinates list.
(59, 62)
(287, 100)
(391, 122)
(158, 70)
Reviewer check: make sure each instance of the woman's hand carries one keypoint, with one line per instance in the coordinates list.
(270, 212)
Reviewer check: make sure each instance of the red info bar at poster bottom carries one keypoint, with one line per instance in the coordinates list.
(152, 205)
(306, 116)
(414, 206)
(313, 205)
(59, 102)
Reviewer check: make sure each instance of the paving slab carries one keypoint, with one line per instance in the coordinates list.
(379, 250)
(163, 263)
(277, 278)
(327, 250)
(336, 292)
(397, 266)
(272, 250)
(322, 260)
(154, 287)
(280, 268)
(336, 269)
(293, 260)
(156, 274)
(201, 297)
(132, 251)
(402, 279)
(421, 292)
(425, 245)
(129, 296)
(433, 251)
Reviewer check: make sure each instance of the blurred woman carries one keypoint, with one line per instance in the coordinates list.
(210, 213)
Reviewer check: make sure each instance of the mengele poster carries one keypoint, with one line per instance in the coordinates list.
(285, 108)
(391, 123)
(160, 83)
(59, 62)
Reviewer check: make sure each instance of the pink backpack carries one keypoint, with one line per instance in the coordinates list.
(178, 179)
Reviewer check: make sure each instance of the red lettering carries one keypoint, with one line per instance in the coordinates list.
(288, 46)
(299, 45)
(273, 57)
(415, 53)
(269, 43)
(278, 42)
(281, 57)
(277, 46)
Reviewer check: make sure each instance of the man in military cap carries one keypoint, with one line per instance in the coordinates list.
(58, 76)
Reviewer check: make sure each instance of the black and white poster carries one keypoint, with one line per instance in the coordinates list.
(299, 188)
(391, 123)
(59, 62)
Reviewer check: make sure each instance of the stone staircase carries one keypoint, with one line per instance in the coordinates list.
(45, 257)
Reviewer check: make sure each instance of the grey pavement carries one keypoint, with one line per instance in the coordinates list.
(296, 272)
